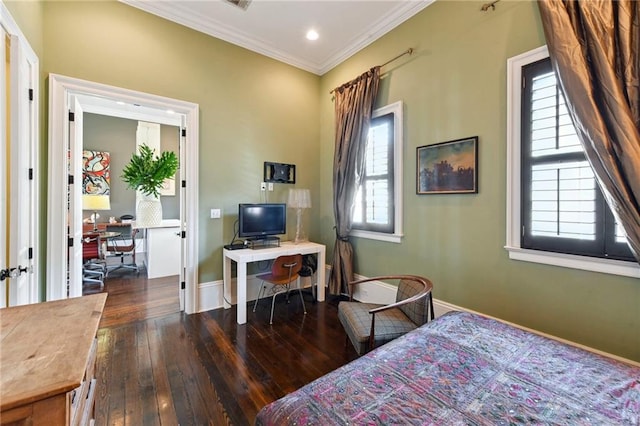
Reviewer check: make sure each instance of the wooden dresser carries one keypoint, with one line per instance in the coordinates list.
(47, 362)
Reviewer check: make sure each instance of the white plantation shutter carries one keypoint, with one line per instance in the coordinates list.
(561, 200)
(373, 208)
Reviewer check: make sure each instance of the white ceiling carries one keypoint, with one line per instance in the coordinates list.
(277, 28)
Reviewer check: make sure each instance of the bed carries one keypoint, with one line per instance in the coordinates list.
(466, 369)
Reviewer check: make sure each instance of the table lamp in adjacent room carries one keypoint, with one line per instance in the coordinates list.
(95, 203)
(299, 199)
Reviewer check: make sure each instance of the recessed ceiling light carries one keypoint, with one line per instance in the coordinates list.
(120, 103)
(312, 35)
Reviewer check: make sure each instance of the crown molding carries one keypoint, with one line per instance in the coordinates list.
(177, 12)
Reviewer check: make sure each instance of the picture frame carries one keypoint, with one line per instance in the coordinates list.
(448, 167)
(279, 172)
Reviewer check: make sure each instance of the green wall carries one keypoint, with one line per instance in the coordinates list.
(254, 109)
(454, 86)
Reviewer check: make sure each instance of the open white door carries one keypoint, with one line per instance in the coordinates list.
(18, 215)
(75, 198)
(183, 211)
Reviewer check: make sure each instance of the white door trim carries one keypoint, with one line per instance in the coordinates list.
(60, 88)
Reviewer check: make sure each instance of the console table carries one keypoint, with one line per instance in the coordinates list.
(47, 361)
(244, 256)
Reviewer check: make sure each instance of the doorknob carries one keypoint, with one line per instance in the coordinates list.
(13, 272)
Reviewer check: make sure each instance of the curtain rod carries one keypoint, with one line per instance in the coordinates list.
(409, 51)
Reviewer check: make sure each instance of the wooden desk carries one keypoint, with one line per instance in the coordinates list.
(47, 361)
(244, 256)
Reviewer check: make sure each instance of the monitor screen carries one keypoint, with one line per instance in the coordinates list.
(257, 220)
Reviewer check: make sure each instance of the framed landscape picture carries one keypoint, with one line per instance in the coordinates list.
(448, 167)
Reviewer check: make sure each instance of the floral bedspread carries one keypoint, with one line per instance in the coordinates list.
(465, 369)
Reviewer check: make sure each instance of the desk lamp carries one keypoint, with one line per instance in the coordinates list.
(95, 203)
(299, 199)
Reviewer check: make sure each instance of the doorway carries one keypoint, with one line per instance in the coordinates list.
(69, 98)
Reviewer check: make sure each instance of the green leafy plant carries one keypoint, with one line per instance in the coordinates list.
(146, 172)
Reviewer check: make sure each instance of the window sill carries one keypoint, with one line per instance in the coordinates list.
(391, 238)
(605, 266)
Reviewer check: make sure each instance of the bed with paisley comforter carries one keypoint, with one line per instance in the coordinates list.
(466, 369)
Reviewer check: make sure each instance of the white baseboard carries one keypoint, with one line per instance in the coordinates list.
(211, 297)
(210, 294)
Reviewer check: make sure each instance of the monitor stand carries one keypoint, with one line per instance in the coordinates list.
(263, 242)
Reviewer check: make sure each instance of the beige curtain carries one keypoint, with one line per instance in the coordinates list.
(353, 105)
(593, 47)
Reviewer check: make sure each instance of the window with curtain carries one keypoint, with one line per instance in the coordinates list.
(555, 206)
(563, 209)
(378, 207)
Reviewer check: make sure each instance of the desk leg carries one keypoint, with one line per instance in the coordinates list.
(321, 280)
(242, 293)
(226, 280)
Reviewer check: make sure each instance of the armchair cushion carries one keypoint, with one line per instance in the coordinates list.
(356, 320)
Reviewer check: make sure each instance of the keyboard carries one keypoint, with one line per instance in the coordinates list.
(236, 246)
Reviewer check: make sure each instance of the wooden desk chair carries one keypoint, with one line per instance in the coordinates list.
(369, 325)
(284, 270)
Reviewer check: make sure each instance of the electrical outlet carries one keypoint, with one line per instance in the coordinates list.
(215, 213)
(263, 186)
(270, 186)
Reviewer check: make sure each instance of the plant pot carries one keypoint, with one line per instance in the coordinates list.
(148, 211)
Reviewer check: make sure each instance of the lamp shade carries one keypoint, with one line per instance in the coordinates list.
(299, 199)
(95, 202)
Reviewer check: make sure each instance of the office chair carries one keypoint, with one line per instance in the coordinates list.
(93, 268)
(284, 270)
(122, 246)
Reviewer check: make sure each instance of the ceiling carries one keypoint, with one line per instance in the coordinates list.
(277, 28)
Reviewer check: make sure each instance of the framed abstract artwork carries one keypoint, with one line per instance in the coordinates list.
(96, 173)
(448, 168)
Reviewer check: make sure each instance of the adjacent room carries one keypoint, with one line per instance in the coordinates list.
(480, 195)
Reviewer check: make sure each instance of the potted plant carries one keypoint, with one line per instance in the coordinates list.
(146, 173)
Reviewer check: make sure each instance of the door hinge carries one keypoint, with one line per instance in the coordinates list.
(184, 133)
(30, 173)
(182, 285)
(184, 234)
(70, 242)
(30, 252)
(184, 183)
(30, 94)
(72, 116)
(70, 180)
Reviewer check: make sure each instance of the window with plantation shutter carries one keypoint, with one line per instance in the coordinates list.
(378, 205)
(563, 209)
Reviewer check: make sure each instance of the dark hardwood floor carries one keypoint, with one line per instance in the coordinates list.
(157, 366)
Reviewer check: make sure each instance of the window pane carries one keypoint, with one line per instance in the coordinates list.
(378, 149)
(552, 130)
(377, 201)
(563, 200)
